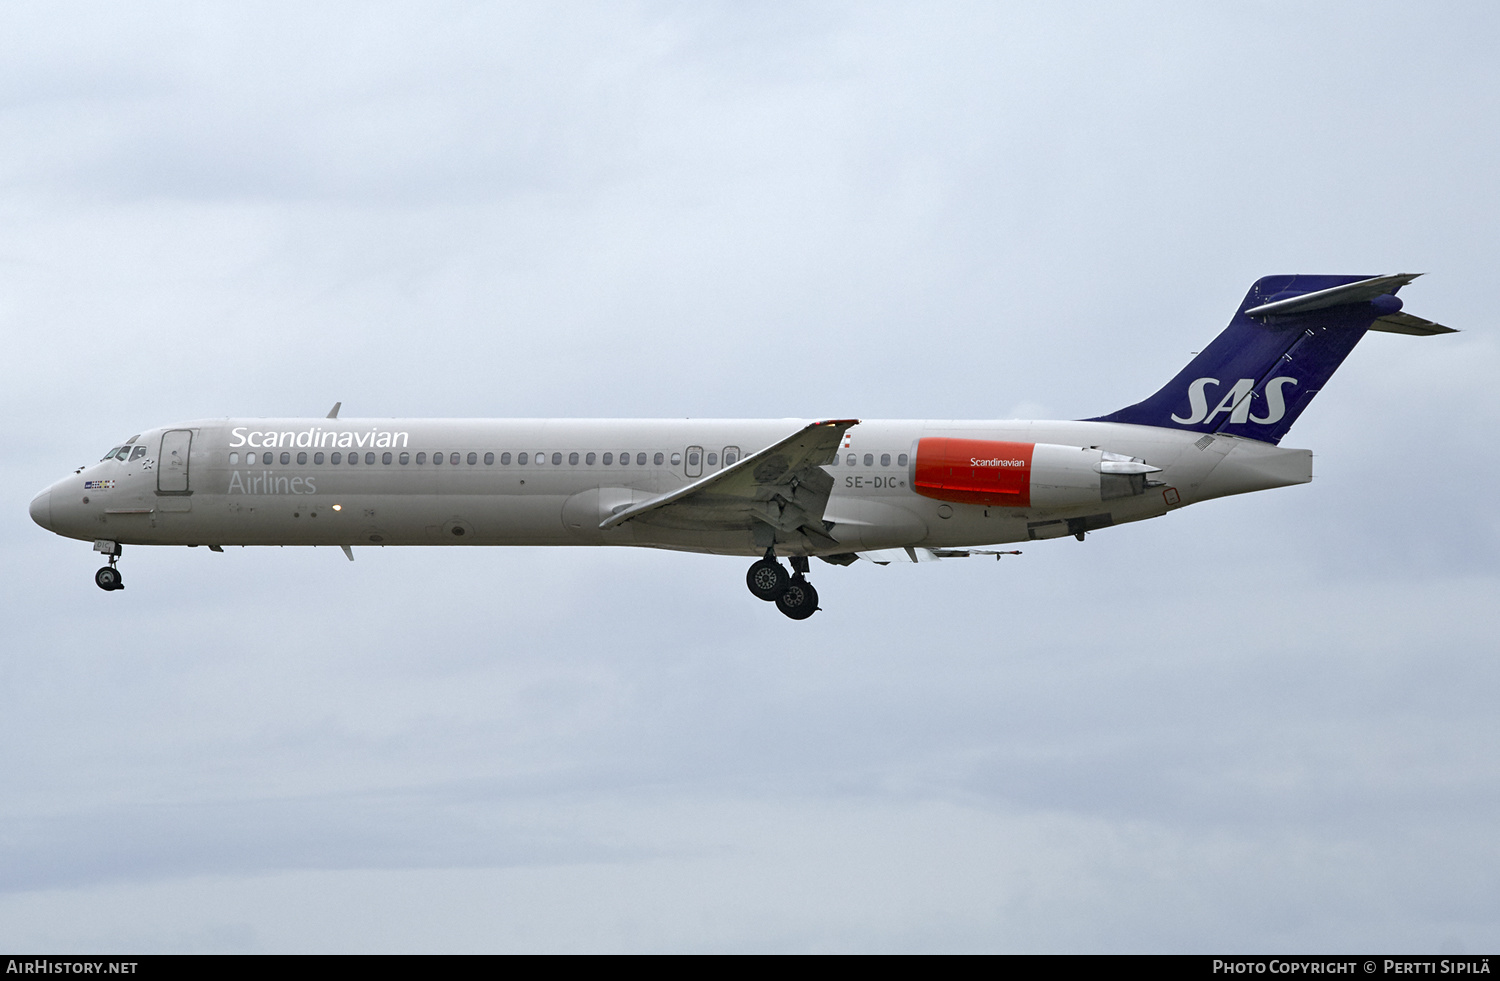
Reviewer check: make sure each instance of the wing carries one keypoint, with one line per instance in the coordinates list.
(886, 556)
(777, 493)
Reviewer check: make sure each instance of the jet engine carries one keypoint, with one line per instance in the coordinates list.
(996, 473)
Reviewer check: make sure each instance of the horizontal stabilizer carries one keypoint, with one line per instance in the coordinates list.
(1362, 291)
(1405, 323)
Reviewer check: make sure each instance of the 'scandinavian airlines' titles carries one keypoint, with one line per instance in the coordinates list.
(315, 436)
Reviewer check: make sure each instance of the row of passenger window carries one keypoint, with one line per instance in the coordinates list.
(731, 456)
(852, 460)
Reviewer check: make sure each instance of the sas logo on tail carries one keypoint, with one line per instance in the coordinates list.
(1236, 402)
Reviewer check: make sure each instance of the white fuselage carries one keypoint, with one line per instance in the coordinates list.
(202, 489)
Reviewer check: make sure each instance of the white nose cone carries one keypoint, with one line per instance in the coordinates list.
(41, 509)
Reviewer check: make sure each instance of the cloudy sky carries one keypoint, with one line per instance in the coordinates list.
(1260, 724)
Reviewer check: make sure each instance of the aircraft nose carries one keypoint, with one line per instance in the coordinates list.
(41, 509)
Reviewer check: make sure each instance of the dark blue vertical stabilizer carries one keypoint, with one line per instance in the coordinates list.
(1286, 340)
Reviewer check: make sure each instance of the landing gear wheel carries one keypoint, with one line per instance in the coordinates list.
(767, 579)
(108, 578)
(799, 601)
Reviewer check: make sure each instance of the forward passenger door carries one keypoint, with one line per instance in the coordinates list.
(172, 466)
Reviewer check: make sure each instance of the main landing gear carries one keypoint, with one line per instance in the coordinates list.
(793, 595)
(108, 578)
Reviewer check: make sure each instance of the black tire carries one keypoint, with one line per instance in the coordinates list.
(799, 601)
(108, 578)
(767, 579)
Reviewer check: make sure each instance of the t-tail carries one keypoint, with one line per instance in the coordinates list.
(1286, 340)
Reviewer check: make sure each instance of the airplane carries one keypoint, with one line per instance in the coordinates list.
(840, 490)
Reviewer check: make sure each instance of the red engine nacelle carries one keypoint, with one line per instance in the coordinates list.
(974, 471)
(996, 473)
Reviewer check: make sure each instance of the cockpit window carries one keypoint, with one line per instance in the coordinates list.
(110, 454)
(137, 453)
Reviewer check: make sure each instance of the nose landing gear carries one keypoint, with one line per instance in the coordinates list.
(108, 578)
(793, 595)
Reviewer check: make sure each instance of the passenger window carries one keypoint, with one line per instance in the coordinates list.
(489, 459)
(676, 459)
(234, 459)
(557, 459)
(885, 459)
(850, 461)
(453, 459)
(640, 459)
(901, 460)
(353, 459)
(405, 459)
(590, 459)
(539, 458)
(473, 458)
(572, 459)
(337, 457)
(731, 455)
(318, 458)
(609, 459)
(437, 459)
(385, 458)
(713, 459)
(869, 459)
(521, 459)
(285, 458)
(659, 459)
(421, 458)
(370, 459)
(302, 458)
(505, 459)
(137, 453)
